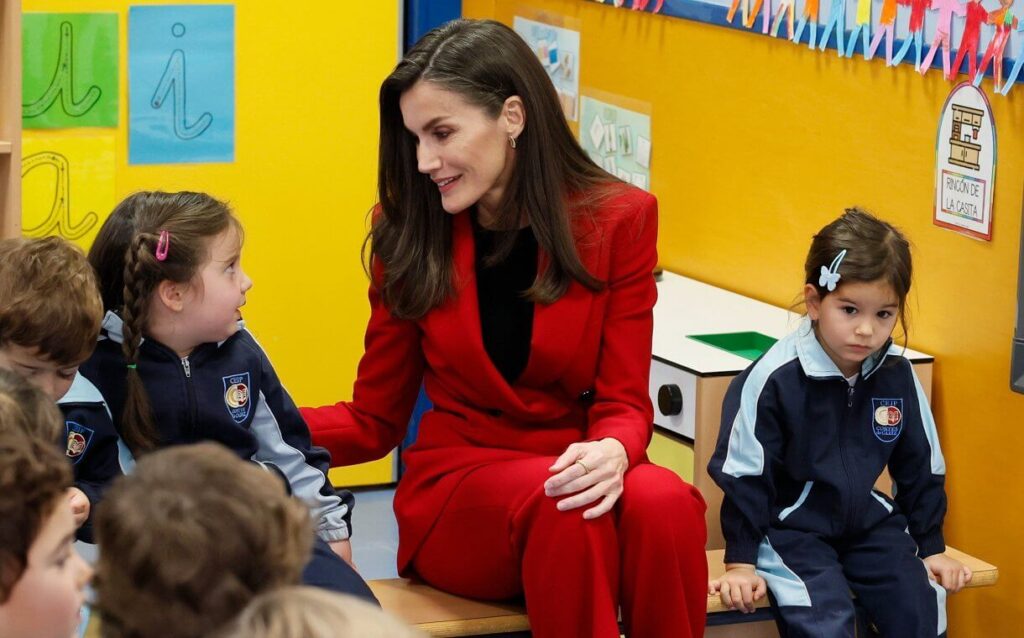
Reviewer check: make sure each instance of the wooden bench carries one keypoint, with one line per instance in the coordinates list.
(439, 614)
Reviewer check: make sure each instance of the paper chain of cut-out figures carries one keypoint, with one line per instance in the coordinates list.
(636, 5)
(1003, 18)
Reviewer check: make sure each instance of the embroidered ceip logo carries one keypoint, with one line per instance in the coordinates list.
(236, 396)
(887, 419)
(78, 439)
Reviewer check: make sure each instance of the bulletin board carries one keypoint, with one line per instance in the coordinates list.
(302, 179)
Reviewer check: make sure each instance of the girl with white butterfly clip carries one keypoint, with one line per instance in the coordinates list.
(806, 431)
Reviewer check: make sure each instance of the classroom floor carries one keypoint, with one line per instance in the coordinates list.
(375, 533)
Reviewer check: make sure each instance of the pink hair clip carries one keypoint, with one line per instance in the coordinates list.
(162, 245)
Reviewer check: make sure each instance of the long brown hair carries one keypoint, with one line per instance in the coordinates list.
(875, 249)
(124, 256)
(484, 62)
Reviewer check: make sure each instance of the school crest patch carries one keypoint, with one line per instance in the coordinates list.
(887, 419)
(236, 396)
(78, 439)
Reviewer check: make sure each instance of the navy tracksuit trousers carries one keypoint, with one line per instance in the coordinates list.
(327, 570)
(810, 579)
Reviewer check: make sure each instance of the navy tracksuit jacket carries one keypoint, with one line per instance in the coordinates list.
(228, 392)
(91, 443)
(798, 454)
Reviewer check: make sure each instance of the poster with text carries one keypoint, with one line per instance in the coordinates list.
(558, 50)
(181, 92)
(617, 139)
(965, 163)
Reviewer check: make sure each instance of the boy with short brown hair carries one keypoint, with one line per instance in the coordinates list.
(50, 315)
(50, 310)
(189, 538)
(42, 578)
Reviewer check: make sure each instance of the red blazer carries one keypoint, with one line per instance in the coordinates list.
(586, 377)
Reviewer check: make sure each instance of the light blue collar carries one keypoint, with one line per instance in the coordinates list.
(113, 326)
(816, 362)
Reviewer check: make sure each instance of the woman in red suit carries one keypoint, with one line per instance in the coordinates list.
(513, 277)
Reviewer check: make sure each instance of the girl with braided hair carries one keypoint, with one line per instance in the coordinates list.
(176, 364)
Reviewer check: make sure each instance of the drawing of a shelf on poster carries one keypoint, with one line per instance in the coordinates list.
(965, 163)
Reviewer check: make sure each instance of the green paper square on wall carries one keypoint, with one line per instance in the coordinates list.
(69, 70)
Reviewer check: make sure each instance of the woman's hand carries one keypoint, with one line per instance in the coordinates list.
(739, 587)
(591, 472)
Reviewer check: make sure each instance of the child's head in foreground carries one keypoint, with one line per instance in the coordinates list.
(25, 408)
(306, 612)
(858, 274)
(42, 578)
(50, 311)
(189, 538)
(169, 264)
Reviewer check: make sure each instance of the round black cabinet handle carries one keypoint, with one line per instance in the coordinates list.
(670, 399)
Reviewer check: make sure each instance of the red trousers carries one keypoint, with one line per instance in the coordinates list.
(500, 537)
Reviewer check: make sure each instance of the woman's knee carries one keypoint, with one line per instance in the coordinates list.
(653, 489)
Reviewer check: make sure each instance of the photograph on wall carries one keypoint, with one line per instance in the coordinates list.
(181, 84)
(558, 50)
(618, 139)
(69, 70)
(965, 163)
(67, 185)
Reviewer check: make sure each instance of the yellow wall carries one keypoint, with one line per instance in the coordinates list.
(304, 174)
(758, 143)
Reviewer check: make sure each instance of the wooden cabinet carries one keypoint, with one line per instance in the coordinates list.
(10, 118)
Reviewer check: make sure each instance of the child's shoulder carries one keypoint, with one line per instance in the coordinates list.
(244, 348)
(897, 363)
(82, 391)
(779, 362)
(245, 342)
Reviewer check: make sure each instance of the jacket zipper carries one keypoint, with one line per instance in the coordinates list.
(842, 455)
(194, 417)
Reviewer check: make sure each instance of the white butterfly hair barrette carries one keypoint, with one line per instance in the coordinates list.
(830, 274)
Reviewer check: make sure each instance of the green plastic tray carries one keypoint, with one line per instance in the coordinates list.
(749, 345)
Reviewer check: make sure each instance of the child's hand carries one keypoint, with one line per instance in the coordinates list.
(79, 505)
(344, 550)
(739, 587)
(951, 573)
